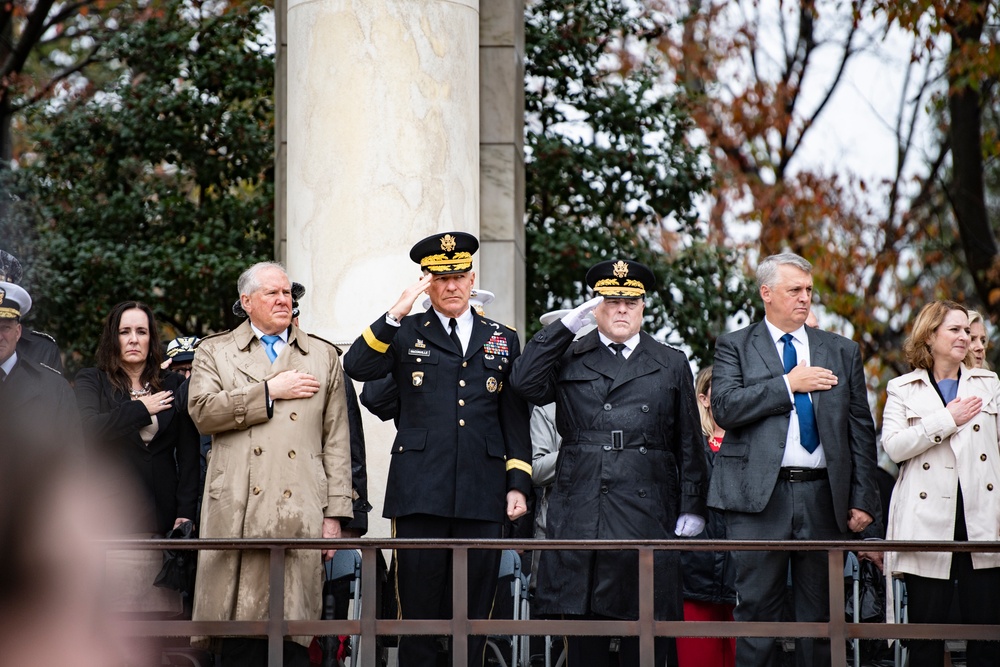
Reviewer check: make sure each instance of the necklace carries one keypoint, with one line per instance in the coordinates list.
(139, 393)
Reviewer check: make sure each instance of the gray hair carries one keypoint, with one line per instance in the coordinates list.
(248, 283)
(767, 270)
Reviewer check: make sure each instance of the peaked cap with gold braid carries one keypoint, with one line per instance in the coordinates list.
(14, 301)
(441, 254)
(620, 279)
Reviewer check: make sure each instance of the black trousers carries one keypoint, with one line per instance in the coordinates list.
(424, 581)
(929, 601)
(796, 511)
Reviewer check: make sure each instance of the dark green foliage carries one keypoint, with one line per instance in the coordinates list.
(610, 173)
(157, 188)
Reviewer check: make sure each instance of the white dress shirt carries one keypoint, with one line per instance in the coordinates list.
(630, 344)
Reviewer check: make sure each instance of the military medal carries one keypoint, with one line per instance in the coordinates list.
(491, 384)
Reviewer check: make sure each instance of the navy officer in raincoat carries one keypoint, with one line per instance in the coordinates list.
(630, 465)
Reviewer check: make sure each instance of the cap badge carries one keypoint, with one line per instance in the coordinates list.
(620, 269)
(447, 243)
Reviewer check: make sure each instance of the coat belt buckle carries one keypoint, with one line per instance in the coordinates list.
(617, 441)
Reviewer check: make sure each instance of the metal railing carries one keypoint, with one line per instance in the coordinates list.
(837, 630)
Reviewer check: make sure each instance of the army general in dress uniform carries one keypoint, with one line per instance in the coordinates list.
(630, 465)
(461, 460)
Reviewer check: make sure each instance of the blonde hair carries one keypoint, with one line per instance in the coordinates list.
(975, 316)
(916, 349)
(702, 385)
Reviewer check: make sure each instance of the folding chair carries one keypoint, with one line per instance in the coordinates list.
(345, 566)
(900, 657)
(852, 569)
(510, 568)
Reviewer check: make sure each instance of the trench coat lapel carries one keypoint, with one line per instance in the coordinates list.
(597, 357)
(255, 365)
(638, 364)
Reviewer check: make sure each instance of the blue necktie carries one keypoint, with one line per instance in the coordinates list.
(269, 341)
(808, 434)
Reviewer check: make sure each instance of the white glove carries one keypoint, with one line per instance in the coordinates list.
(576, 318)
(689, 525)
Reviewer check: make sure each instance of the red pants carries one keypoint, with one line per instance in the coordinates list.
(706, 651)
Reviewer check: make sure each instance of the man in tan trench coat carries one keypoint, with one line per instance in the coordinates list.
(271, 397)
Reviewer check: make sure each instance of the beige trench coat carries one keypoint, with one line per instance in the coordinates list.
(919, 433)
(267, 477)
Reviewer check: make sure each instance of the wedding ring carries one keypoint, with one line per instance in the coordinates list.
(163, 402)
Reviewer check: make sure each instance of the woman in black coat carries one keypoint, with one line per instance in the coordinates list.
(133, 429)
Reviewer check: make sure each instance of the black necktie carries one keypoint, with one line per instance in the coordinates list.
(619, 350)
(453, 328)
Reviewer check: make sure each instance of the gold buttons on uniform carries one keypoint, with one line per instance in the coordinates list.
(419, 360)
(465, 364)
(400, 448)
(257, 451)
(291, 454)
(461, 422)
(287, 493)
(923, 495)
(461, 383)
(461, 402)
(256, 490)
(927, 466)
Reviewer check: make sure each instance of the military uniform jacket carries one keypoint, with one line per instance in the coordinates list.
(462, 438)
(631, 486)
(38, 407)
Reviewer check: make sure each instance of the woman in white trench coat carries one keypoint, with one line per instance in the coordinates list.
(940, 425)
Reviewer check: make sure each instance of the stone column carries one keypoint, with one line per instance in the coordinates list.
(501, 127)
(382, 149)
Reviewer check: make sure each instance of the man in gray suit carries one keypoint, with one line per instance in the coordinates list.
(798, 462)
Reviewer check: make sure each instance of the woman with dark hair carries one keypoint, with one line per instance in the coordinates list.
(143, 447)
(940, 425)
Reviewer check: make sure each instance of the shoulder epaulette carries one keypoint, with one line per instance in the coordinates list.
(44, 335)
(322, 340)
(210, 336)
(47, 366)
(511, 328)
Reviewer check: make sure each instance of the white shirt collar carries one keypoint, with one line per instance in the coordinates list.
(8, 365)
(257, 332)
(799, 334)
(463, 321)
(630, 344)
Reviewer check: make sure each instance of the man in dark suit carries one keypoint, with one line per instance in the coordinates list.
(461, 460)
(799, 458)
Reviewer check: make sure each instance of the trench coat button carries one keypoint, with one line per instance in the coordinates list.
(607, 406)
(975, 427)
(937, 438)
(461, 383)
(607, 448)
(923, 495)
(294, 416)
(287, 493)
(256, 490)
(645, 408)
(291, 454)
(642, 493)
(604, 489)
(257, 451)
(642, 450)
(461, 422)
(927, 466)
(461, 402)
(982, 457)
(989, 487)
(465, 364)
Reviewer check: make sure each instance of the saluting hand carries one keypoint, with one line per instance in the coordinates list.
(404, 304)
(292, 384)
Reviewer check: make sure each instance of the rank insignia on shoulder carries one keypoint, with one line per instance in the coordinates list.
(491, 384)
(418, 378)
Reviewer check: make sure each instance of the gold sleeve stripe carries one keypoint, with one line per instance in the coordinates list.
(373, 342)
(515, 464)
